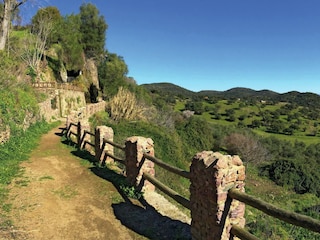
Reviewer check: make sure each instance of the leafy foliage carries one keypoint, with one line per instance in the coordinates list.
(112, 74)
(6, 65)
(44, 16)
(196, 134)
(16, 104)
(93, 28)
(70, 37)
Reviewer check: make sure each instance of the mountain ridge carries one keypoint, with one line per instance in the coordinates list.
(307, 99)
(166, 85)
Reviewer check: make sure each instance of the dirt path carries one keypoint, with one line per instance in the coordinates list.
(58, 197)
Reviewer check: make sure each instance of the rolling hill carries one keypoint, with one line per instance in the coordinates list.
(303, 99)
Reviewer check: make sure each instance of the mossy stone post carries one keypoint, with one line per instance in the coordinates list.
(136, 164)
(213, 212)
(101, 133)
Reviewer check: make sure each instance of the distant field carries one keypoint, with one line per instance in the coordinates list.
(306, 139)
(302, 128)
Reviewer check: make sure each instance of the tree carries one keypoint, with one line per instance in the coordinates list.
(49, 15)
(9, 6)
(35, 43)
(112, 74)
(196, 106)
(70, 37)
(93, 28)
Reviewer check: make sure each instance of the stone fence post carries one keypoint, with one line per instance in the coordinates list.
(136, 164)
(85, 126)
(213, 212)
(103, 132)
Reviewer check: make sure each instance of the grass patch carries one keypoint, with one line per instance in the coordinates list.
(266, 227)
(12, 153)
(67, 192)
(46, 178)
(22, 182)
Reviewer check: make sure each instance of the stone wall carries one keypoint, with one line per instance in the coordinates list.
(103, 133)
(48, 111)
(60, 103)
(136, 164)
(65, 103)
(93, 108)
(213, 213)
(71, 101)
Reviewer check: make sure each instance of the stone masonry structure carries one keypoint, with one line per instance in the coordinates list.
(212, 212)
(101, 133)
(136, 164)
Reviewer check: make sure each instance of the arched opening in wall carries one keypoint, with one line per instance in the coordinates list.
(73, 74)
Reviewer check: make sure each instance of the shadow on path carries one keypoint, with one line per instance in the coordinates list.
(141, 217)
(137, 215)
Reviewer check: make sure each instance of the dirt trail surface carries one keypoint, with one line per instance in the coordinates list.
(60, 196)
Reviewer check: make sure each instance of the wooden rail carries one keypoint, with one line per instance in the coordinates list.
(73, 124)
(90, 133)
(114, 144)
(286, 216)
(116, 158)
(89, 143)
(171, 193)
(168, 167)
(242, 234)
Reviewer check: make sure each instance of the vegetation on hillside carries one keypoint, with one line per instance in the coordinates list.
(241, 129)
(268, 130)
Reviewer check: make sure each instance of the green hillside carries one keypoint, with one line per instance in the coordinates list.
(276, 135)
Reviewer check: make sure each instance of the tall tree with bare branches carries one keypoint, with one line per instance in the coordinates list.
(9, 6)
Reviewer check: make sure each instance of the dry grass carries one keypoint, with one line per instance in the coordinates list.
(125, 106)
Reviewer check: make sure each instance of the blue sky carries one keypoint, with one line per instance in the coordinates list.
(213, 44)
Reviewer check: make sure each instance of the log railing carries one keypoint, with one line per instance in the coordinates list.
(225, 176)
(170, 192)
(276, 212)
(115, 158)
(168, 167)
(55, 85)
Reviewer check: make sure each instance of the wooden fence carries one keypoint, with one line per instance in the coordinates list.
(55, 85)
(226, 221)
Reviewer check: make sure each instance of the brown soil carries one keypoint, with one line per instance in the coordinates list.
(60, 196)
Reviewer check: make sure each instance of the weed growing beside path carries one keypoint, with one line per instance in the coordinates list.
(12, 153)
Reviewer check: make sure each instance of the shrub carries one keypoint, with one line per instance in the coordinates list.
(124, 106)
(247, 146)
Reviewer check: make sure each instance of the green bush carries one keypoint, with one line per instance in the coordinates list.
(15, 104)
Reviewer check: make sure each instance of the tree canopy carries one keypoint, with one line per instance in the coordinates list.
(93, 28)
(112, 74)
(45, 17)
